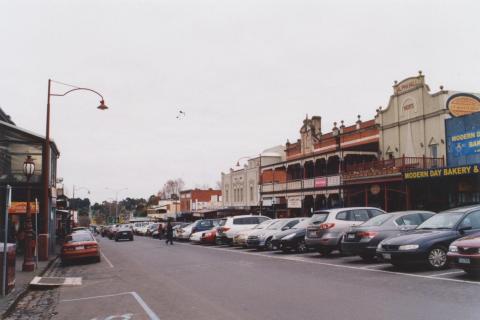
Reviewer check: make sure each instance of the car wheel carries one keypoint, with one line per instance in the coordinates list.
(98, 259)
(268, 244)
(285, 250)
(437, 258)
(367, 257)
(302, 247)
(116, 239)
(325, 251)
(131, 239)
(473, 273)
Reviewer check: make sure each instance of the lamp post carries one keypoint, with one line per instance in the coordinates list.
(28, 263)
(116, 200)
(46, 160)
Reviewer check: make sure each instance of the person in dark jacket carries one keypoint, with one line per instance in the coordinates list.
(169, 232)
(160, 231)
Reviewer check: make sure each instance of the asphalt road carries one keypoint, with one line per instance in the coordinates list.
(145, 279)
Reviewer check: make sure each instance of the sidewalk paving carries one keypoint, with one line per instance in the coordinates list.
(22, 280)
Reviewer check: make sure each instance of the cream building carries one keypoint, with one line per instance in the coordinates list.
(413, 124)
(240, 186)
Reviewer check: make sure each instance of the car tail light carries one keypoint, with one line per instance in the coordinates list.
(91, 246)
(367, 234)
(325, 226)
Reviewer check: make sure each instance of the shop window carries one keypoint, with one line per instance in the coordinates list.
(434, 150)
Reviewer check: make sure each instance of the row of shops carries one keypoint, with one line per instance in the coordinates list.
(420, 152)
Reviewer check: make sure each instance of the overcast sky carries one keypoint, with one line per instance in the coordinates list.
(245, 73)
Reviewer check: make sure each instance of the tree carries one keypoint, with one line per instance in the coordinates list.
(153, 200)
(172, 187)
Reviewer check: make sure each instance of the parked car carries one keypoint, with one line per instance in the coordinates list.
(151, 229)
(112, 231)
(464, 253)
(142, 230)
(232, 225)
(196, 237)
(124, 233)
(139, 225)
(199, 225)
(240, 239)
(364, 239)
(176, 227)
(262, 238)
(208, 237)
(328, 226)
(428, 243)
(293, 238)
(78, 246)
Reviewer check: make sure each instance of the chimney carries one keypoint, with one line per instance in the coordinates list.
(317, 125)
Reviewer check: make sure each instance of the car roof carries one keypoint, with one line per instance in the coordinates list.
(462, 209)
(342, 209)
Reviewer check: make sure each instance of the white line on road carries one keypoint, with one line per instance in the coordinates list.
(106, 259)
(299, 259)
(136, 296)
(446, 273)
(373, 266)
(145, 307)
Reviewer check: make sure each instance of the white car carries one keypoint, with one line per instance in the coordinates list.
(196, 237)
(262, 239)
(230, 226)
(138, 225)
(240, 239)
(184, 233)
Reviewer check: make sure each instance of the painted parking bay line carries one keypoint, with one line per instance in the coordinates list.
(151, 315)
(301, 259)
(110, 264)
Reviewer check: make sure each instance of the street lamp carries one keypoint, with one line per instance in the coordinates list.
(46, 157)
(28, 263)
(116, 200)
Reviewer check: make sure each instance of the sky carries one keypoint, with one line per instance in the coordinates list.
(245, 73)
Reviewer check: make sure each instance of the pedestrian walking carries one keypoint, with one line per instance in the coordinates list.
(160, 231)
(169, 232)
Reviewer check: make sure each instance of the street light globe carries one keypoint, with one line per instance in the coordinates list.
(29, 167)
(102, 105)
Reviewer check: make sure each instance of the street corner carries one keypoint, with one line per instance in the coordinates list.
(125, 306)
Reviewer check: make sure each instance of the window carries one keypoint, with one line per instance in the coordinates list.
(413, 219)
(360, 215)
(434, 150)
(242, 221)
(342, 215)
(472, 220)
(251, 193)
(374, 212)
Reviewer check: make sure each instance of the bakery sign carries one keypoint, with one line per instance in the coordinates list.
(407, 85)
(461, 104)
(442, 172)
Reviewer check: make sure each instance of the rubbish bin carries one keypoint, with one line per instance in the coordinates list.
(11, 257)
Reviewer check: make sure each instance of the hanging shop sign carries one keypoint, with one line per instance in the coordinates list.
(294, 202)
(21, 208)
(442, 172)
(375, 189)
(461, 104)
(320, 182)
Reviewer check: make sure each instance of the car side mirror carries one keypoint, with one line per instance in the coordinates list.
(463, 229)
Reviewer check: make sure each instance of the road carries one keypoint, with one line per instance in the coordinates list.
(145, 279)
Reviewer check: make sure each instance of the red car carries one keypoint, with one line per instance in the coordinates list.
(80, 245)
(209, 236)
(465, 254)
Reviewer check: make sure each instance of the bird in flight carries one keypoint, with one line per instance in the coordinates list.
(181, 114)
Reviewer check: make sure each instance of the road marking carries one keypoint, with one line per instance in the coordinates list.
(96, 297)
(373, 266)
(446, 273)
(145, 307)
(136, 296)
(106, 259)
(299, 259)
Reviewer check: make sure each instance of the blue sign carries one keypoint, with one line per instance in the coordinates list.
(463, 140)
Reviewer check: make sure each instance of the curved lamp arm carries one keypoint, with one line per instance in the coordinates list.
(102, 105)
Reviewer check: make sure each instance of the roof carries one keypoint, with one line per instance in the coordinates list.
(5, 117)
(28, 133)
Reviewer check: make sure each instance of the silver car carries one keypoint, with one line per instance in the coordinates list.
(262, 239)
(327, 227)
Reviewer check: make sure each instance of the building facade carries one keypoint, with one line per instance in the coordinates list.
(201, 203)
(311, 176)
(241, 186)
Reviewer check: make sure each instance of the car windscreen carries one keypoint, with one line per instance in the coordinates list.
(277, 225)
(80, 237)
(264, 224)
(319, 217)
(302, 224)
(377, 221)
(446, 220)
(222, 222)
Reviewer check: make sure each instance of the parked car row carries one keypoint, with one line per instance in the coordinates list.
(401, 238)
(117, 232)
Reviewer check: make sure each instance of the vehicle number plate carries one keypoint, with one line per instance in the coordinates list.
(351, 236)
(80, 248)
(125, 233)
(387, 256)
(312, 233)
(464, 260)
